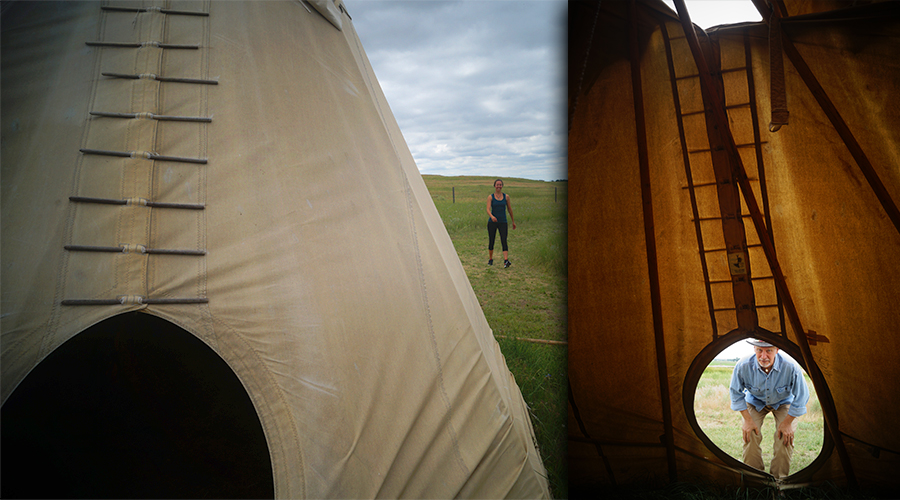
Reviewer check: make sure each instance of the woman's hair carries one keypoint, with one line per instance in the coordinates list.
(498, 180)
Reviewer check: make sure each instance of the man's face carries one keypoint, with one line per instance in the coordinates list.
(765, 356)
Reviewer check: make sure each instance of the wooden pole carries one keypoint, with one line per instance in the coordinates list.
(668, 436)
(829, 410)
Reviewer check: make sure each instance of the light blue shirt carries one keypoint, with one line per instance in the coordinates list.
(783, 385)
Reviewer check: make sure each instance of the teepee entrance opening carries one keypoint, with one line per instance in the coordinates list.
(710, 414)
(134, 406)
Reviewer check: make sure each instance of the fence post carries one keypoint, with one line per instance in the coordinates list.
(454, 194)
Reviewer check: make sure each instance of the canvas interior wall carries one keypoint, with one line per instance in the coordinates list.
(691, 222)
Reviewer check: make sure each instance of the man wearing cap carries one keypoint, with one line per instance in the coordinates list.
(768, 383)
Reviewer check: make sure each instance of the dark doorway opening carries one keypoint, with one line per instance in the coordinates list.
(133, 407)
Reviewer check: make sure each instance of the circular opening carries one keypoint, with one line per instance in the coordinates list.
(708, 405)
(133, 407)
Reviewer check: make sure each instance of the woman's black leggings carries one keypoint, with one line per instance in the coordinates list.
(492, 233)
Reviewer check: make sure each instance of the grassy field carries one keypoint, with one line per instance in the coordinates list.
(524, 301)
(723, 425)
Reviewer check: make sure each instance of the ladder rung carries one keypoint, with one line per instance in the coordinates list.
(713, 250)
(758, 306)
(759, 278)
(733, 106)
(720, 72)
(701, 219)
(708, 184)
(747, 145)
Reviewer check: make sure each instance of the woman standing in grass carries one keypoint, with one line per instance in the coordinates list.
(497, 205)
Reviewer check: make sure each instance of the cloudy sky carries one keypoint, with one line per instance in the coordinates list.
(478, 87)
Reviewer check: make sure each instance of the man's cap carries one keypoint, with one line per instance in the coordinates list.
(759, 343)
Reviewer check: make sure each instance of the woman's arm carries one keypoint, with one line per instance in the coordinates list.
(509, 208)
(489, 208)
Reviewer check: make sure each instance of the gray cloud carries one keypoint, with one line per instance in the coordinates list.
(478, 87)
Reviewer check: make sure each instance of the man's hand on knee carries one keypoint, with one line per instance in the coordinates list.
(747, 427)
(786, 431)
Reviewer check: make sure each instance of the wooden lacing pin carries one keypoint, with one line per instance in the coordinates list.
(152, 116)
(167, 251)
(154, 9)
(153, 76)
(90, 302)
(133, 248)
(91, 248)
(137, 201)
(101, 201)
(176, 300)
(138, 45)
(134, 299)
(142, 154)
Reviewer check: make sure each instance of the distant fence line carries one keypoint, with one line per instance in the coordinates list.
(555, 196)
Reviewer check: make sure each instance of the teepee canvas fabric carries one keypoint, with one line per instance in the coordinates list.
(234, 168)
(741, 182)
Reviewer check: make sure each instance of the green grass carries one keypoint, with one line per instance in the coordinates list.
(723, 425)
(526, 300)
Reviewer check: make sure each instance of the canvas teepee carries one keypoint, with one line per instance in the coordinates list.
(737, 183)
(233, 168)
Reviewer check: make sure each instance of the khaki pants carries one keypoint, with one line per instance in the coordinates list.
(781, 462)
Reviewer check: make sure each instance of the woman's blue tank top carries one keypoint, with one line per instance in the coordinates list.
(498, 208)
